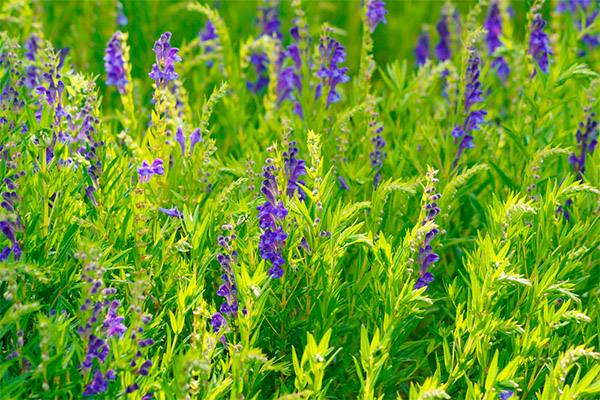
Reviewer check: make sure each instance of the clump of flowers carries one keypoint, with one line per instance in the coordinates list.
(539, 43)
(377, 155)
(443, 49)
(294, 169)
(271, 215)
(493, 25)
(331, 74)
(163, 71)
(114, 63)
(375, 14)
(146, 170)
(422, 49)
(587, 139)
(473, 95)
(427, 257)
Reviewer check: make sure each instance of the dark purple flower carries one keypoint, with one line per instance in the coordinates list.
(343, 184)
(506, 394)
(7, 229)
(587, 139)
(332, 54)
(144, 368)
(269, 22)
(32, 46)
(113, 324)
(217, 321)
(304, 245)
(208, 34)
(146, 171)
(473, 95)
(171, 212)
(493, 25)
(375, 14)
(422, 49)
(97, 385)
(146, 342)
(294, 169)
(539, 44)
(443, 49)
(114, 63)
(166, 57)
(132, 388)
(377, 155)
(259, 62)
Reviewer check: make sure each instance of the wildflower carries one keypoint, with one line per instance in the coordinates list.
(121, 17)
(32, 46)
(539, 44)
(422, 48)
(217, 321)
(375, 14)
(114, 63)
(587, 139)
(493, 25)
(377, 155)
(273, 238)
(332, 54)
(473, 96)
(195, 137)
(577, 8)
(171, 212)
(269, 21)
(98, 384)
(166, 57)
(294, 168)
(304, 245)
(427, 257)
(506, 394)
(113, 324)
(208, 34)
(146, 171)
(343, 183)
(443, 50)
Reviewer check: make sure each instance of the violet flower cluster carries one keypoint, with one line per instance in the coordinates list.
(462, 134)
(377, 155)
(114, 64)
(443, 49)
(163, 71)
(331, 74)
(13, 223)
(271, 215)
(270, 26)
(375, 14)
(294, 169)
(427, 257)
(493, 25)
(195, 137)
(146, 170)
(208, 34)
(587, 139)
(539, 44)
(422, 49)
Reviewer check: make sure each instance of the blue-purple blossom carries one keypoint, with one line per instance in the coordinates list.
(587, 139)
(208, 34)
(269, 22)
(505, 394)
(294, 169)
(443, 49)
(97, 385)
(493, 25)
(426, 257)
(217, 321)
(343, 183)
(32, 46)
(171, 212)
(375, 14)
(146, 170)
(539, 44)
(113, 324)
(195, 137)
(271, 216)
(163, 71)
(114, 63)
(473, 95)
(331, 74)
(422, 49)
(377, 155)
(121, 17)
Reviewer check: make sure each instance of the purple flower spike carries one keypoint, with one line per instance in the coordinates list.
(376, 14)
(217, 321)
(195, 137)
(422, 50)
(332, 54)
(294, 168)
(98, 384)
(443, 49)
(506, 394)
(493, 25)
(180, 137)
(343, 183)
(146, 171)
(171, 212)
(114, 63)
(539, 44)
(163, 71)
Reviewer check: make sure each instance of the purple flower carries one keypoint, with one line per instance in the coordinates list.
(343, 184)
(377, 155)
(259, 62)
(422, 49)
(294, 168)
(375, 14)
(473, 95)
(443, 50)
(493, 25)
(132, 388)
(587, 139)
(269, 22)
(97, 385)
(332, 54)
(217, 321)
(171, 212)
(195, 137)
(166, 57)
(506, 394)
(146, 171)
(208, 34)
(304, 245)
(144, 368)
(7, 229)
(114, 64)
(539, 44)
(32, 46)
(113, 324)
(426, 257)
